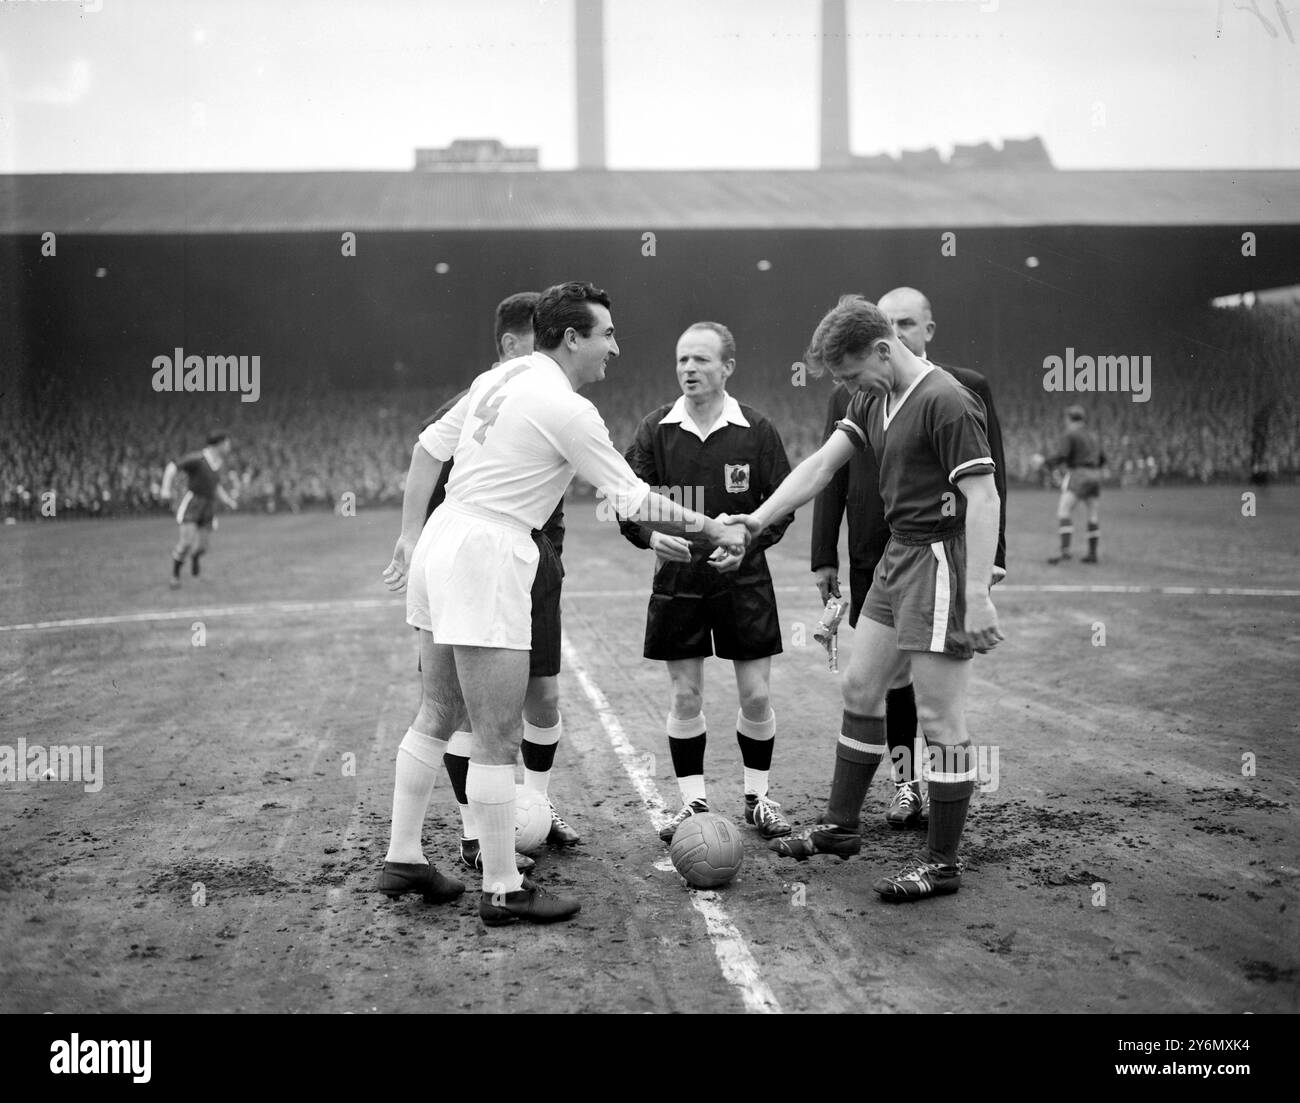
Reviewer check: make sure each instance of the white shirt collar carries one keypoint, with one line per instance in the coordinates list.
(213, 457)
(542, 359)
(730, 415)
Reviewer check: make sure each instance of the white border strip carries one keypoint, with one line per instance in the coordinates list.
(738, 964)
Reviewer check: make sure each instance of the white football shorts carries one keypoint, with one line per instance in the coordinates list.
(471, 578)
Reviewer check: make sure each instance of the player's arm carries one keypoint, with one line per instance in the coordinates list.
(981, 495)
(584, 442)
(803, 483)
(169, 477)
(223, 496)
(431, 451)
(774, 467)
(640, 458)
(828, 509)
(1060, 456)
(993, 429)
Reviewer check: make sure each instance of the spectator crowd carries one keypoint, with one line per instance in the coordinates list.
(1225, 398)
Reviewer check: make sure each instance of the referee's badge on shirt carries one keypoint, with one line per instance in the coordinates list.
(737, 475)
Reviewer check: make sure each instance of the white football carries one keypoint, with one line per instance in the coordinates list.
(532, 819)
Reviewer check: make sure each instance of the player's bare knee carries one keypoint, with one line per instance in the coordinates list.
(440, 718)
(940, 722)
(687, 702)
(862, 695)
(755, 703)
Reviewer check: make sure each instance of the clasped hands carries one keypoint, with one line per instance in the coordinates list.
(731, 537)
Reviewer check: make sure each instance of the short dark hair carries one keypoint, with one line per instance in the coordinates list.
(849, 329)
(1077, 413)
(515, 315)
(724, 335)
(564, 307)
(216, 437)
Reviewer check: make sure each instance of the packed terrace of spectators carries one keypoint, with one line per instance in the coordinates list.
(1216, 392)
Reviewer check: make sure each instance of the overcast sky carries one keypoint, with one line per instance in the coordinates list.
(197, 85)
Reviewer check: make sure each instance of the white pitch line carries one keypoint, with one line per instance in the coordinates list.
(201, 614)
(260, 609)
(738, 964)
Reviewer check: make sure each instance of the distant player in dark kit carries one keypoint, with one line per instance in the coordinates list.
(197, 509)
(1080, 452)
(929, 604)
(855, 489)
(720, 457)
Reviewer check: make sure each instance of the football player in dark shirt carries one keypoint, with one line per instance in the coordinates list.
(197, 509)
(716, 456)
(929, 604)
(1080, 452)
(855, 489)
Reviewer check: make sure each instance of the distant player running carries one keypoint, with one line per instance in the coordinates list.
(1080, 452)
(929, 602)
(196, 513)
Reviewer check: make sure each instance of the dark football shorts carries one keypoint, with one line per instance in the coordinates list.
(1083, 483)
(920, 591)
(544, 657)
(733, 622)
(197, 511)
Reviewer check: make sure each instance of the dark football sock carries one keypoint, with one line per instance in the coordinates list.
(858, 752)
(194, 564)
(1094, 535)
(755, 753)
(900, 730)
(176, 566)
(1067, 531)
(757, 738)
(538, 756)
(686, 740)
(688, 755)
(458, 770)
(952, 781)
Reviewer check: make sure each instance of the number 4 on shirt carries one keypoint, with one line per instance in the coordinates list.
(487, 409)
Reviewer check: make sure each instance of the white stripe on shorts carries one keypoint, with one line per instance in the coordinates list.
(942, 598)
(185, 504)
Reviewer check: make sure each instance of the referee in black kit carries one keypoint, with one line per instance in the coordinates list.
(720, 457)
(855, 490)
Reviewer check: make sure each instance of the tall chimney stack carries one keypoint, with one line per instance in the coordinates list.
(589, 58)
(835, 86)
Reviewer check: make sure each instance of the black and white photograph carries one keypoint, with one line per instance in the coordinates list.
(600, 507)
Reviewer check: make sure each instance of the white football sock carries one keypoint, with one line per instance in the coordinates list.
(692, 788)
(419, 757)
(491, 791)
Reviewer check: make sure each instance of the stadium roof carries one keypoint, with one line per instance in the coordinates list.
(293, 202)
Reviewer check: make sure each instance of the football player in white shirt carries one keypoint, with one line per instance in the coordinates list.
(518, 437)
